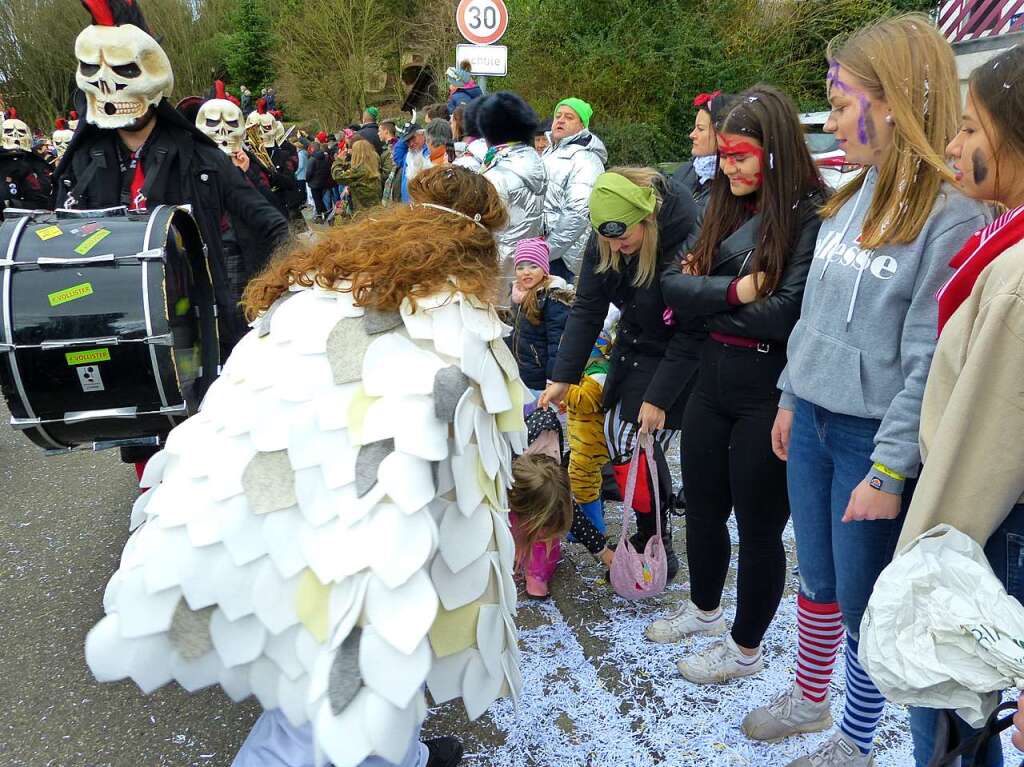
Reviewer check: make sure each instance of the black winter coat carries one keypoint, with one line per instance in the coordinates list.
(286, 164)
(369, 132)
(686, 178)
(651, 361)
(181, 166)
(770, 319)
(25, 181)
(535, 347)
(319, 174)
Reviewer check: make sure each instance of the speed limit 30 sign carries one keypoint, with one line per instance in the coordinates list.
(482, 22)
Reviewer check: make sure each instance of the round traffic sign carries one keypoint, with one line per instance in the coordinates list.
(482, 22)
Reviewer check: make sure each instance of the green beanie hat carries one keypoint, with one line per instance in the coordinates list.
(616, 198)
(580, 107)
(373, 112)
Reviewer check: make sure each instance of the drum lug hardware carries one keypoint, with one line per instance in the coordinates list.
(109, 258)
(174, 410)
(135, 442)
(58, 451)
(5, 262)
(167, 339)
(110, 341)
(25, 423)
(5, 348)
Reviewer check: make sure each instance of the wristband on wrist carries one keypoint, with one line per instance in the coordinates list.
(886, 480)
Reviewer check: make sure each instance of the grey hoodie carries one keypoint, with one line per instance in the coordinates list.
(869, 321)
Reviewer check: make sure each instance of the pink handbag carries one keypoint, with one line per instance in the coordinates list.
(633, 575)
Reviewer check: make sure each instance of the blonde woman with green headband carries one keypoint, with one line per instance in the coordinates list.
(640, 223)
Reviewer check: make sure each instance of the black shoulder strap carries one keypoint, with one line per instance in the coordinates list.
(97, 162)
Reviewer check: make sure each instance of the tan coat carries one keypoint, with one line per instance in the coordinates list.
(972, 417)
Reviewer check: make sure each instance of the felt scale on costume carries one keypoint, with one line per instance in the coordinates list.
(330, 532)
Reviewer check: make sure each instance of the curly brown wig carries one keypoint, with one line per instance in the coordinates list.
(402, 251)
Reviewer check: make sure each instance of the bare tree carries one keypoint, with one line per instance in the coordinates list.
(328, 50)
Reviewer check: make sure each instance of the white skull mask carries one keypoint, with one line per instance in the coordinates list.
(268, 127)
(223, 122)
(16, 135)
(252, 119)
(122, 71)
(61, 139)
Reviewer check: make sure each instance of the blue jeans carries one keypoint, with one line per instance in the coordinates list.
(1005, 553)
(829, 455)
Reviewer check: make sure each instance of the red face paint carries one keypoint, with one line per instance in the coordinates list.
(737, 151)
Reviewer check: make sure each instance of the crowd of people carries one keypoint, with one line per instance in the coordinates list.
(842, 359)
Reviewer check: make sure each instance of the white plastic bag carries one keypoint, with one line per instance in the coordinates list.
(940, 630)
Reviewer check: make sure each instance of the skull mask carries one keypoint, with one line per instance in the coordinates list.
(16, 135)
(268, 127)
(61, 138)
(223, 122)
(122, 71)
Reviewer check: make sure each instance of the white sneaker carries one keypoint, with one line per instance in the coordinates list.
(789, 714)
(837, 751)
(721, 662)
(684, 621)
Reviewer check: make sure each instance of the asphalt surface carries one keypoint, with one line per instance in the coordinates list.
(63, 522)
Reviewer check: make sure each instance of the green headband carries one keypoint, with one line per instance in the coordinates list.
(582, 109)
(617, 199)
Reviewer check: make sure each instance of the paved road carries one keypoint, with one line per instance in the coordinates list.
(63, 522)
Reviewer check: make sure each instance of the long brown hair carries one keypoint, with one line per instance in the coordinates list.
(766, 114)
(365, 156)
(531, 301)
(402, 251)
(907, 62)
(540, 498)
(997, 88)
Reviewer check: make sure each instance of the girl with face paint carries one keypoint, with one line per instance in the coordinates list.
(743, 279)
(973, 412)
(858, 358)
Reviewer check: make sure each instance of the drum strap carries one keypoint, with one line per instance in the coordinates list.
(97, 161)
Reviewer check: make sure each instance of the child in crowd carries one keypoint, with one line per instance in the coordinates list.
(540, 307)
(744, 279)
(588, 451)
(541, 506)
(858, 359)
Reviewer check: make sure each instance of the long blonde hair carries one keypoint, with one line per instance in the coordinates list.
(365, 156)
(906, 61)
(647, 258)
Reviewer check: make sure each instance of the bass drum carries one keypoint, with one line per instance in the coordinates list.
(108, 331)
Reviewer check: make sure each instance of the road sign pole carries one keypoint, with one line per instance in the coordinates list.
(481, 80)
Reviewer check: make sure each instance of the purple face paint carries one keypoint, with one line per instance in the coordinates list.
(833, 80)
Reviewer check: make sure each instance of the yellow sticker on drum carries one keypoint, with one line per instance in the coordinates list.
(70, 294)
(49, 232)
(88, 357)
(91, 241)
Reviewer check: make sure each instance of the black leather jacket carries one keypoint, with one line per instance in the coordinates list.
(769, 319)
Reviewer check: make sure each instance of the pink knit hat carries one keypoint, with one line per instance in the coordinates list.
(534, 251)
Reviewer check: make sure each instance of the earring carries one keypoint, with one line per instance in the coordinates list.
(889, 120)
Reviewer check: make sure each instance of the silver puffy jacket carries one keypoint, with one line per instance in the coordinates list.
(573, 166)
(518, 174)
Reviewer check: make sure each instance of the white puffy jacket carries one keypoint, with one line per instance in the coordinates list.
(572, 165)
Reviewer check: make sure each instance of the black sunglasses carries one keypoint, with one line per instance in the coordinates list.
(612, 229)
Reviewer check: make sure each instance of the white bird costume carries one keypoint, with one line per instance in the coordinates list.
(330, 532)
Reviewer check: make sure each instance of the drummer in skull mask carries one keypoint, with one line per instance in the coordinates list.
(24, 175)
(137, 150)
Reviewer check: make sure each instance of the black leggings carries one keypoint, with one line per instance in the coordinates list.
(729, 464)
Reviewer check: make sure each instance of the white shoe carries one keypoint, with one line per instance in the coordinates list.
(721, 662)
(789, 714)
(684, 621)
(837, 751)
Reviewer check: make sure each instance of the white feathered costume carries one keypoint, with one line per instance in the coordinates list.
(330, 532)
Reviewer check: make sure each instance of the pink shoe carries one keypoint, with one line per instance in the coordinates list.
(536, 588)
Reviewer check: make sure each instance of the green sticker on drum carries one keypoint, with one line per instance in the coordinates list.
(70, 294)
(91, 241)
(88, 357)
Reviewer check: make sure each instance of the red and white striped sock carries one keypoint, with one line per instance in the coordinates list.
(819, 633)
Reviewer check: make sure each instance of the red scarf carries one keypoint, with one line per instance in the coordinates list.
(979, 251)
